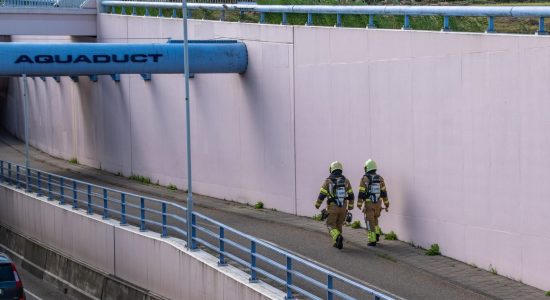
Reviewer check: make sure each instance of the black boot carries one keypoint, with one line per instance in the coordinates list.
(372, 244)
(340, 242)
(377, 237)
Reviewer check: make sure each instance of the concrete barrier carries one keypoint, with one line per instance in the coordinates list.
(132, 265)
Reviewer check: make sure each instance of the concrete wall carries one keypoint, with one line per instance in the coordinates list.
(455, 121)
(162, 266)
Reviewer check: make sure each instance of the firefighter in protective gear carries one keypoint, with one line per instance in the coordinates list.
(337, 189)
(372, 191)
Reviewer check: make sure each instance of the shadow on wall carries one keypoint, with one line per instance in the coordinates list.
(3, 94)
(3, 80)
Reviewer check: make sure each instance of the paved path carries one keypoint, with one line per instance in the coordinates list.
(394, 266)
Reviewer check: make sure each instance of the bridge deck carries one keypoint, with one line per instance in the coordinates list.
(47, 21)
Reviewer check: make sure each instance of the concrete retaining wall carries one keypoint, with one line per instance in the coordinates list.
(455, 120)
(98, 259)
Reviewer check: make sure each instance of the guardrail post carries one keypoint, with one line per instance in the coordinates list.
(371, 22)
(338, 20)
(189, 13)
(28, 180)
(253, 276)
(309, 19)
(330, 286)
(542, 30)
(407, 23)
(174, 13)
(222, 247)
(193, 231)
(160, 14)
(105, 206)
(490, 25)
(9, 173)
(262, 18)
(288, 278)
(222, 15)
(50, 187)
(241, 15)
(446, 26)
(113, 10)
(17, 176)
(1, 171)
(134, 12)
(38, 184)
(61, 191)
(147, 11)
(90, 208)
(75, 195)
(164, 229)
(284, 21)
(122, 209)
(123, 10)
(142, 213)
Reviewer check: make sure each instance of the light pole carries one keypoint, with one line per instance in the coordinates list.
(26, 117)
(190, 242)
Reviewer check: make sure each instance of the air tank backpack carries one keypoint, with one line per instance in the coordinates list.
(373, 189)
(338, 190)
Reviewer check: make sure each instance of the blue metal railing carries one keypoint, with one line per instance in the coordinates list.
(293, 274)
(42, 3)
(490, 12)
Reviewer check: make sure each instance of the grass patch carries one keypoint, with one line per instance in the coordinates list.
(73, 161)
(434, 250)
(386, 256)
(547, 294)
(391, 236)
(172, 187)
(356, 224)
(493, 270)
(259, 205)
(139, 178)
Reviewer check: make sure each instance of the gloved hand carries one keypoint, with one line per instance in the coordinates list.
(350, 207)
(317, 205)
(359, 206)
(386, 209)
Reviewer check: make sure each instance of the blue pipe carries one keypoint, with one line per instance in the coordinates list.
(42, 59)
(479, 11)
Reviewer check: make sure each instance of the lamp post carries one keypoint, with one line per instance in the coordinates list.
(190, 242)
(26, 117)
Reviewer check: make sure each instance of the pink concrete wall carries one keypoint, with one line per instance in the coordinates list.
(455, 121)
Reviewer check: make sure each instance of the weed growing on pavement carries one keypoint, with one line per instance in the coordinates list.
(118, 174)
(172, 187)
(142, 179)
(386, 256)
(548, 294)
(259, 205)
(434, 250)
(356, 224)
(493, 270)
(74, 161)
(391, 236)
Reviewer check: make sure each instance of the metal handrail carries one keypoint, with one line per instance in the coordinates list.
(339, 10)
(249, 252)
(52, 4)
